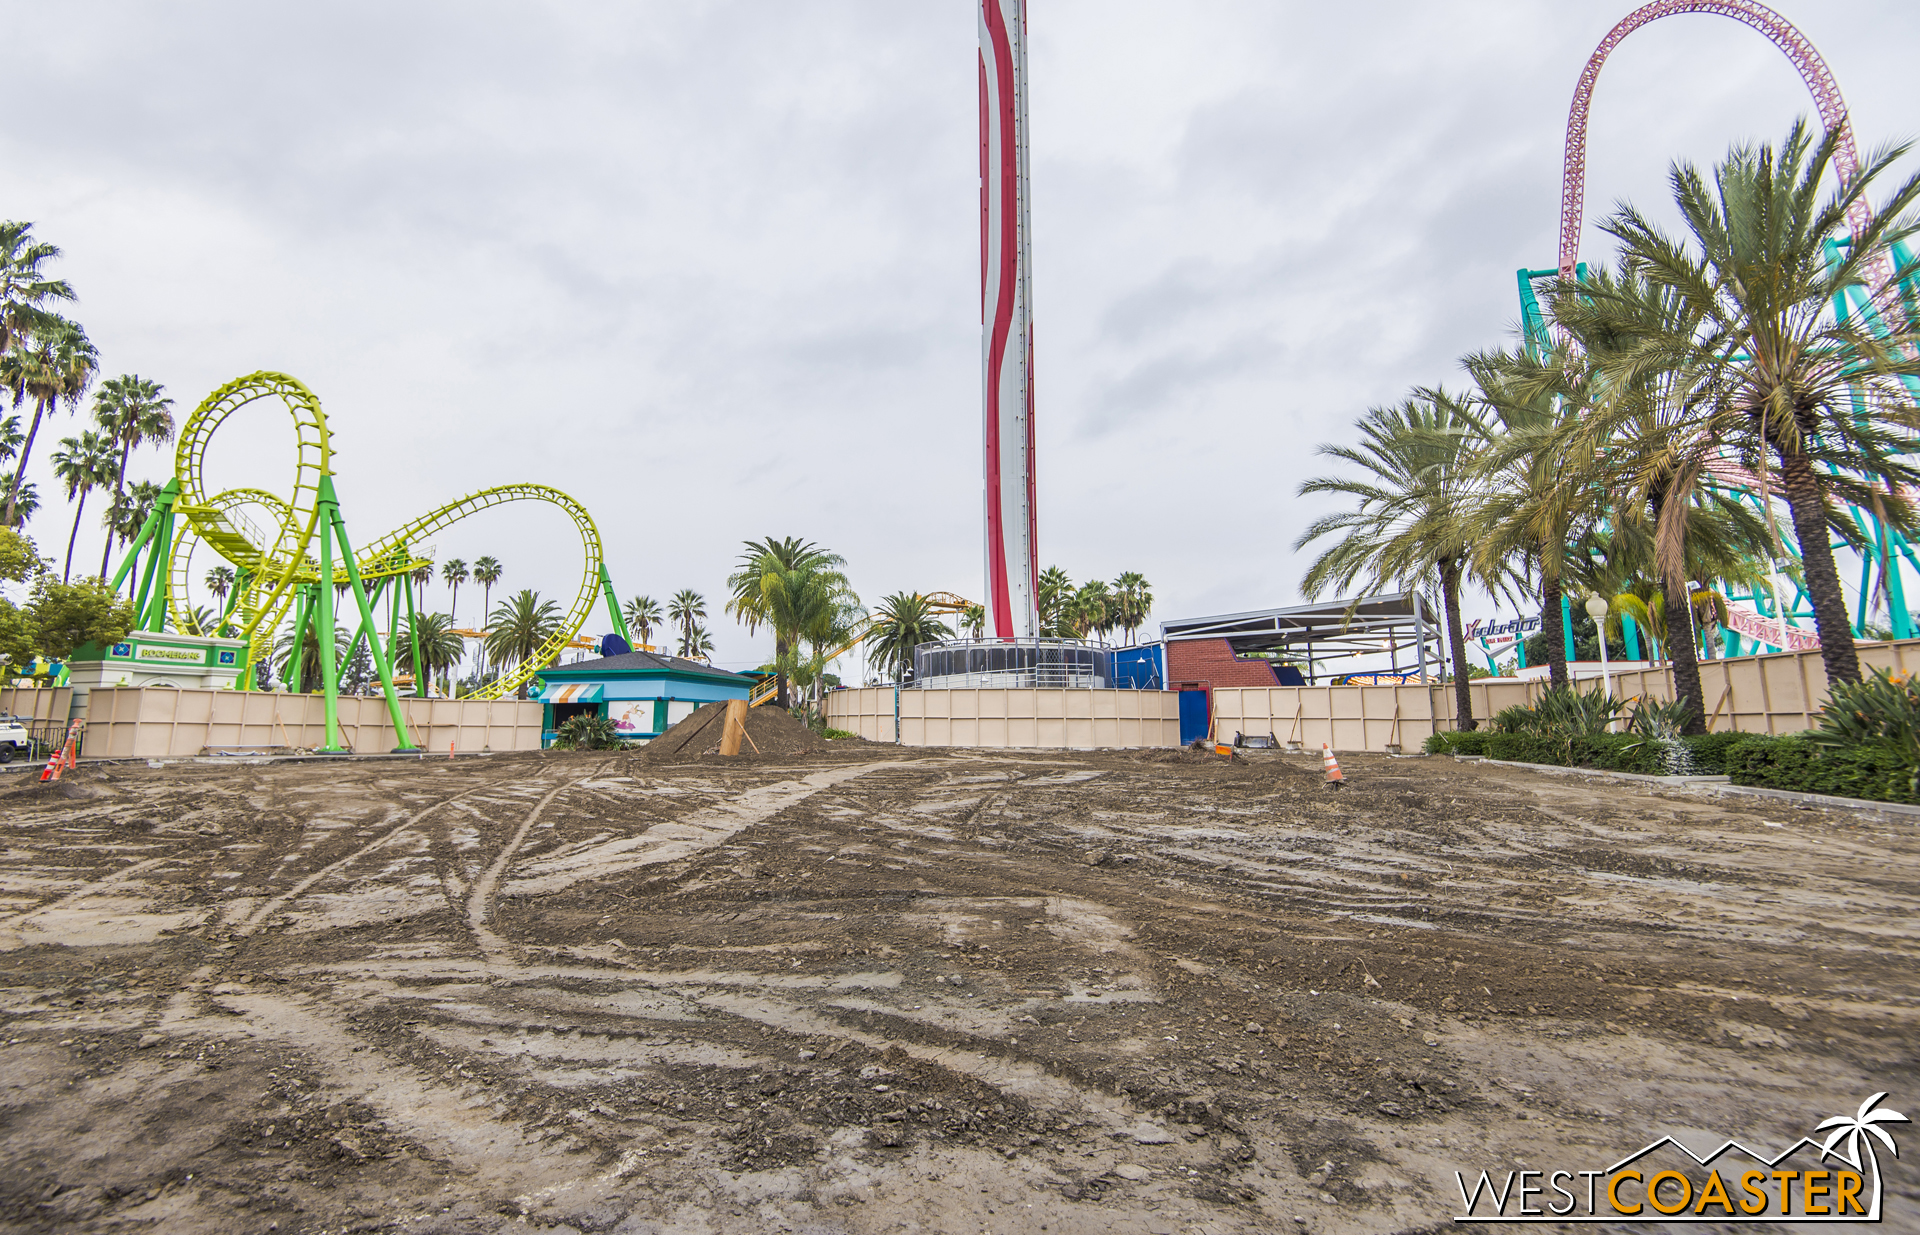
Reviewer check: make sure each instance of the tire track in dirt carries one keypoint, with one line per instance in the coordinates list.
(273, 905)
(480, 899)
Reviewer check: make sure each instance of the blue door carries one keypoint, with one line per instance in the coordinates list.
(1193, 716)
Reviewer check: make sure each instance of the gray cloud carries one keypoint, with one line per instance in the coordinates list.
(714, 268)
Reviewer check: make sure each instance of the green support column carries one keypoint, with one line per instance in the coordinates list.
(297, 660)
(150, 602)
(329, 512)
(323, 635)
(613, 606)
(413, 639)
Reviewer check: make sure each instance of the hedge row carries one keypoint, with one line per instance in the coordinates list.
(1875, 773)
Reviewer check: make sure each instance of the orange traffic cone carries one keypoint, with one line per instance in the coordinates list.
(1334, 777)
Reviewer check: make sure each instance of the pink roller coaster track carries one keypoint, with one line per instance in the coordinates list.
(1813, 71)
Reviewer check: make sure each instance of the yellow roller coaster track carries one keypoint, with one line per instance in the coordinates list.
(274, 561)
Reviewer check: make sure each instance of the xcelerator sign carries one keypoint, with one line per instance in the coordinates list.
(1832, 1180)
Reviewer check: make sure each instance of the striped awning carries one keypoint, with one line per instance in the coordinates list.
(571, 692)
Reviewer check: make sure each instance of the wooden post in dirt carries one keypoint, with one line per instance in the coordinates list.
(734, 728)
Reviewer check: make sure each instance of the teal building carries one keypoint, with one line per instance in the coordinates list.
(643, 693)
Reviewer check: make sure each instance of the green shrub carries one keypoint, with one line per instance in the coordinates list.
(1651, 718)
(836, 735)
(1457, 743)
(1709, 750)
(587, 731)
(1881, 711)
(1798, 763)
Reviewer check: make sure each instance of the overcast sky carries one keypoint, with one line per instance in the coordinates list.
(714, 268)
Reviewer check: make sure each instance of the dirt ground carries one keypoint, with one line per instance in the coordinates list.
(878, 990)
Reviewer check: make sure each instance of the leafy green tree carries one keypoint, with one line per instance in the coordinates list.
(1091, 609)
(82, 465)
(52, 364)
(19, 557)
(1132, 601)
(131, 411)
(643, 614)
(17, 640)
(1416, 492)
(973, 620)
(440, 649)
(67, 615)
(902, 622)
(357, 675)
(1769, 368)
(516, 630)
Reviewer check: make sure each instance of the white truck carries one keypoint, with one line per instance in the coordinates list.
(14, 739)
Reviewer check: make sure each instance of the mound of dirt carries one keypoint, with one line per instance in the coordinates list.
(770, 731)
(69, 788)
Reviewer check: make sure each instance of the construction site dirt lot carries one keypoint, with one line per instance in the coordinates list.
(881, 990)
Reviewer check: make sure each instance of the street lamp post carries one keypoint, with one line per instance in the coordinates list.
(1597, 608)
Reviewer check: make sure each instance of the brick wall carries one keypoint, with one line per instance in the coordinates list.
(1212, 661)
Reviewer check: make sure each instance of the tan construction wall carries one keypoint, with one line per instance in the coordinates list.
(1778, 693)
(157, 722)
(1004, 718)
(36, 702)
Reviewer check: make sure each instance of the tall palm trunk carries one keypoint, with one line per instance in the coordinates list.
(67, 574)
(20, 463)
(1553, 626)
(1807, 502)
(780, 674)
(119, 484)
(1676, 606)
(1456, 645)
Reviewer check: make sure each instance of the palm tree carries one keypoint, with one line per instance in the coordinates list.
(643, 614)
(454, 572)
(128, 514)
(1529, 512)
(1417, 492)
(10, 437)
(282, 655)
(902, 622)
(82, 464)
(1651, 459)
(516, 630)
(219, 581)
(1056, 589)
(1090, 610)
(28, 500)
(486, 573)
(1133, 600)
(24, 288)
(54, 363)
(131, 411)
(698, 644)
(973, 620)
(440, 648)
(773, 583)
(1770, 368)
(685, 611)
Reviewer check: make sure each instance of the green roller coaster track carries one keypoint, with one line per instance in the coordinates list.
(278, 568)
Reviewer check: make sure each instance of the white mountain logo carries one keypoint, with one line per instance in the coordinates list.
(1841, 1184)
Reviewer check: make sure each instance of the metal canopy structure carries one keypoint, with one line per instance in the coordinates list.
(1398, 626)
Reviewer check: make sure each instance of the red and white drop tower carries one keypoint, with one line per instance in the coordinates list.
(1006, 316)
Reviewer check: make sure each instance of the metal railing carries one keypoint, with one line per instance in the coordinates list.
(959, 664)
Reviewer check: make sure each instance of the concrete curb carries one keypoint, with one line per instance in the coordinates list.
(1554, 769)
(1717, 784)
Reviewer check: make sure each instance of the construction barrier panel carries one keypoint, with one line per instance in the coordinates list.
(158, 722)
(1777, 693)
(1003, 718)
(37, 702)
